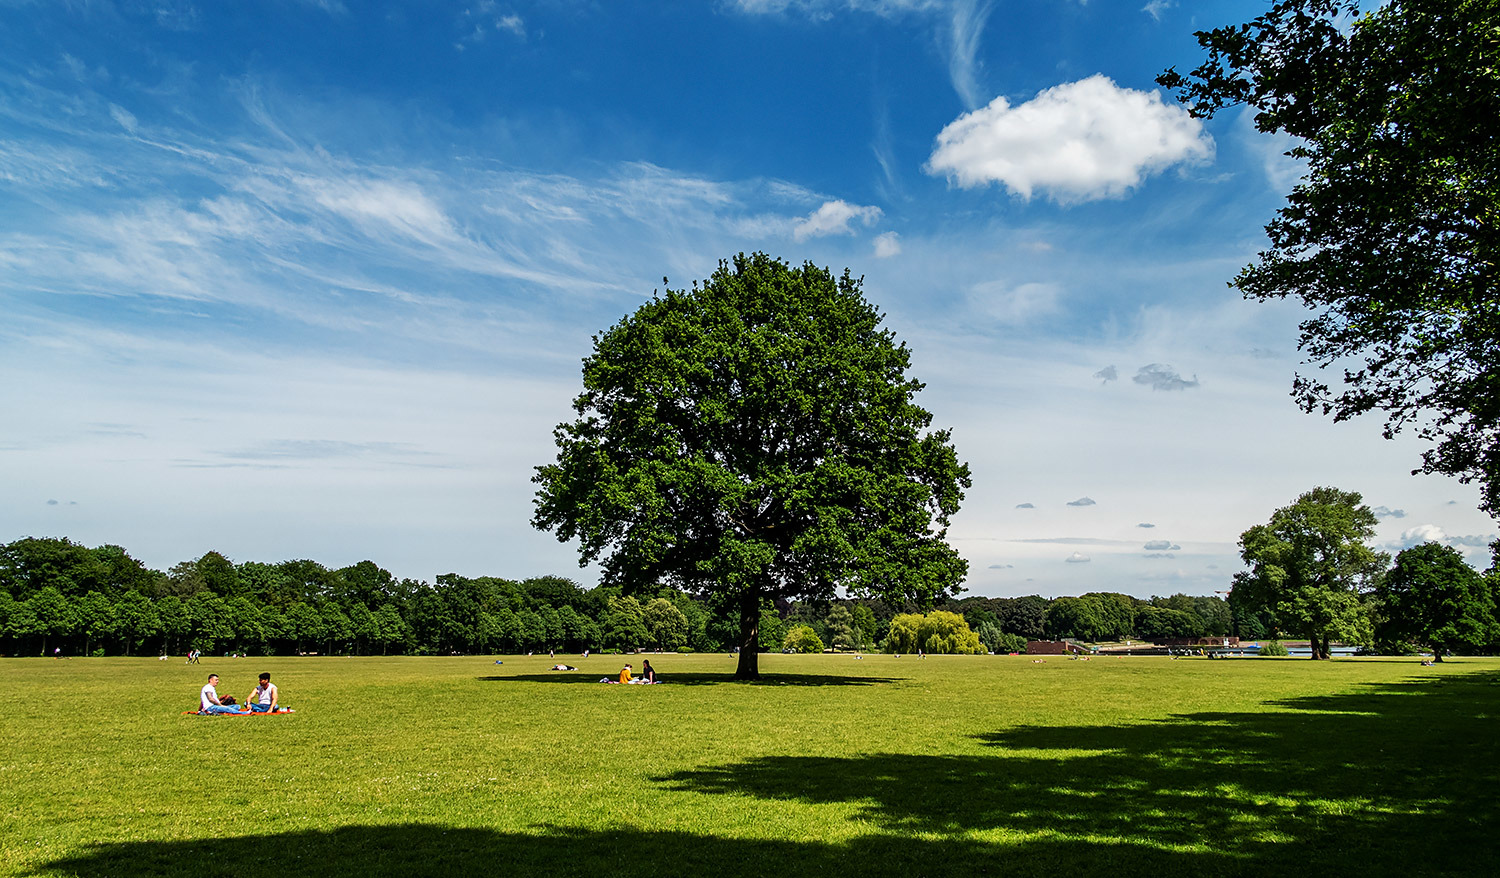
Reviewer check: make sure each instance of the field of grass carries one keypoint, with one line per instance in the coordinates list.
(831, 766)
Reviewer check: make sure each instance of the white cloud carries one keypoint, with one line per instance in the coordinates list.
(966, 25)
(887, 244)
(512, 23)
(1107, 374)
(1083, 501)
(1014, 305)
(1423, 533)
(1079, 141)
(957, 27)
(833, 218)
(1078, 558)
(1159, 376)
(1282, 171)
(1156, 7)
(126, 119)
(1161, 546)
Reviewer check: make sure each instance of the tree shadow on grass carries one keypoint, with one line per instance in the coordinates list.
(448, 852)
(700, 679)
(1390, 780)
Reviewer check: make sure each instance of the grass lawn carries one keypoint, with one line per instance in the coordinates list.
(832, 766)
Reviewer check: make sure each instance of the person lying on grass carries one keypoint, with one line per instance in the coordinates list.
(209, 701)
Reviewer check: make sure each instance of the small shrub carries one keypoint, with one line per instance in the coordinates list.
(1273, 648)
(803, 639)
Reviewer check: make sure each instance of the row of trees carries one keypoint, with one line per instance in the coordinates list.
(1313, 574)
(58, 594)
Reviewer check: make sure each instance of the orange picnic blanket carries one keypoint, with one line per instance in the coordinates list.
(262, 713)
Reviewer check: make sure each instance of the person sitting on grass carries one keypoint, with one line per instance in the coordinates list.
(209, 702)
(625, 674)
(264, 698)
(648, 673)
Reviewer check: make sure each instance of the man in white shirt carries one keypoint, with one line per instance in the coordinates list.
(208, 698)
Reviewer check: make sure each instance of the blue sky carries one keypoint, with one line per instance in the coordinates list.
(296, 279)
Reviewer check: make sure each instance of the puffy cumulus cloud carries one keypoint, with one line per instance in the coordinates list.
(1079, 141)
(887, 244)
(1107, 374)
(1386, 512)
(1159, 376)
(833, 218)
(1082, 501)
(51, 502)
(1078, 558)
(1025, 505)
(1422, 533)
(1145, 524)
(1431, 533)
(1161, 546)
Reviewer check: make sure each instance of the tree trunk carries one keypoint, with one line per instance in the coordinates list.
(749, 666)
(1312, 646)
(1437, 652)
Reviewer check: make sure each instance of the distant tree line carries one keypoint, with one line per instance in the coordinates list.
(56, 594)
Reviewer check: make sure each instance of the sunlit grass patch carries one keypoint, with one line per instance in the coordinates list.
(885, 766)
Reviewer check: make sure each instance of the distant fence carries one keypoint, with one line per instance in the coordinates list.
(1055, 647)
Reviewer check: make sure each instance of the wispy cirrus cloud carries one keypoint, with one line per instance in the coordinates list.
(957, 27)
(269, 224)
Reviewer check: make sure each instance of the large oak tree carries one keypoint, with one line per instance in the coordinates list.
(756, 438)
(1308, 565)
(1433, 598)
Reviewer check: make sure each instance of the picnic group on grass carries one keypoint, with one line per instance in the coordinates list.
(648, 675)
(264, 698)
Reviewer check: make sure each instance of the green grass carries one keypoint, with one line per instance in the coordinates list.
(946, 766)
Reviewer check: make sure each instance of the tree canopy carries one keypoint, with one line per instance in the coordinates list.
(756, 437)
(1431, 597)
(1392, 236)
(1308, 564)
